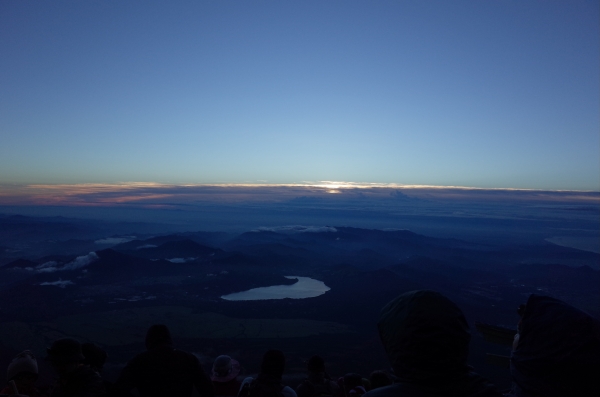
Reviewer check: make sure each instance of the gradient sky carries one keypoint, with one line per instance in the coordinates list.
(501, 94)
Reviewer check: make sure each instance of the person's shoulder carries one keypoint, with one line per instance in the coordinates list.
(288, 392)
(246, 381)
(183, 355)
(471, 386)
(244, 386)
(408, 390)
(386, 391)
(481, 387)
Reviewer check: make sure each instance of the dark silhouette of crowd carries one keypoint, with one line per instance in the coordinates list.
(425, 335)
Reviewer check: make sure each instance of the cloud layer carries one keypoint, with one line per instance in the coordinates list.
(293, 229)
(77, 263)
(153, 195)
(59, 283)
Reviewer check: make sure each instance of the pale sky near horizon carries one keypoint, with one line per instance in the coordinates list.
(500, 94)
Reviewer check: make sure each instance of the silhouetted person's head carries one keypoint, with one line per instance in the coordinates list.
(379, 379)
(273, 363)
(425, 335)
(557, 352)
(315, 364)
(95, 356)
(158, 335)
(65, 355)
(316, 369)
(23, 369)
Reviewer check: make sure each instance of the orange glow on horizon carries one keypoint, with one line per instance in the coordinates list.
(151, 193)
(332, 185)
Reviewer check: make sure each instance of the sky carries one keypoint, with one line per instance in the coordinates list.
(501, 94)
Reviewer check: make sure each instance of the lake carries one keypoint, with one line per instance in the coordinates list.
(306, 287)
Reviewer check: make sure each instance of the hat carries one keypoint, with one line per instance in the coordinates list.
(65, 351)
(225, 369)
(23, 362)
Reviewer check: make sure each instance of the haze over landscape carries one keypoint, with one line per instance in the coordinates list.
(175, 162)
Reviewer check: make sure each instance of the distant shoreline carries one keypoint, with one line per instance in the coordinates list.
(589, 244)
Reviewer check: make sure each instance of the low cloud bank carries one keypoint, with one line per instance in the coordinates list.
(153, 195)
(181, 260)
(77, 263)
(293, 229)
(115, 240)
(141, 247)
(59, 283)
(43, 268)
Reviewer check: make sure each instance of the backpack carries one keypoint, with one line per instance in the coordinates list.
(261, 389)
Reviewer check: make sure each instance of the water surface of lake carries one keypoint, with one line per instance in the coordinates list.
(306, 287)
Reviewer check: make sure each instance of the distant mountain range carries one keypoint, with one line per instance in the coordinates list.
(268, 253)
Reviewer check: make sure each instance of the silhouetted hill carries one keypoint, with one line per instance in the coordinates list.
(153, 241)
(56, 258)
(257, 237)
(184, 248)
(444, 276)
(236, 259)
(21, 263)
(362, 247)
(111, 261)
(211, 239)
(280, 249)
(553, 275)
(20, 229)
(71, 247)
(546, 253)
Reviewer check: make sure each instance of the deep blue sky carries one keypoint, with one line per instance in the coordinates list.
(484, 94)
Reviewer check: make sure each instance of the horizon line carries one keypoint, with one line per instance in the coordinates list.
(309, 184)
